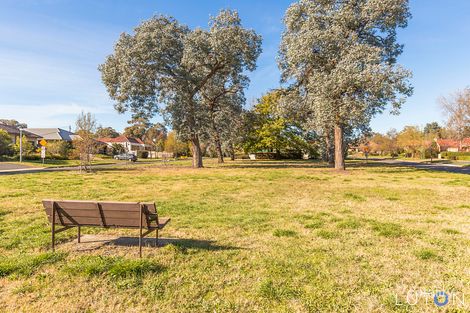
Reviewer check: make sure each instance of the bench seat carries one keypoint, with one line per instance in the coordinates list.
(106, 214)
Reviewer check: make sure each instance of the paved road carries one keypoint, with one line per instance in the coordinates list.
(14, 169)
(426, 166)
(12, 166)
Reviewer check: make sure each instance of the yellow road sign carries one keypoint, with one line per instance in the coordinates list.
(43, 142)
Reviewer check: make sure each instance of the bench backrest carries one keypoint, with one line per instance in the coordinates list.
(101, 213)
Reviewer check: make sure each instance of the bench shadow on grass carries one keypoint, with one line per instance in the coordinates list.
(208, 245)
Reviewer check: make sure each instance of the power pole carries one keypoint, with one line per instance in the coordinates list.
(21, 145)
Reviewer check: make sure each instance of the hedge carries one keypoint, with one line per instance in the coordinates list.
(455, 155)
(142, 154)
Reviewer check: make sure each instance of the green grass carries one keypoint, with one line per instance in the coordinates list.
(284, 233)
(427, 254)
(114, 267)
(388, 229)
(263, 236)
(62, 163)
(26, 265)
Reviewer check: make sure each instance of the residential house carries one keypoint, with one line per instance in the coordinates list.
(54, 134)
(131, 145)
(14, 133)
(452, 145)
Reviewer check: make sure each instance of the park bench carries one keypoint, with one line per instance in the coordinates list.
(106, 214)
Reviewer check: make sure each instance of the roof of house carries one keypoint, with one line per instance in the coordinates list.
(12, 130)
(121, 139)
(53, 133)
(451, 143)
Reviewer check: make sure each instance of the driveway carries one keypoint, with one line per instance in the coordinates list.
(428, 166)
(5, 166)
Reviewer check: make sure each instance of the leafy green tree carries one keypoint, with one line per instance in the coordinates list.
(156, 136)
(340, 60)
(433, 128)
(167, 63)
(138, 128)
(28, 147)
(5, 143)
(223, 98)
(106, 132)
(61, 148)
(433, 149)
(411, 140)
(117, 148)
(174, 145)
(268, 131)
(13, 123)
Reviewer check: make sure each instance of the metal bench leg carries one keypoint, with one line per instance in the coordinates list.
(140, 243)
(78, 234)
(156, 237)
(53, 227)
(140, 232)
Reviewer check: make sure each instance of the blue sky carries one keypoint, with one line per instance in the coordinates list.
(50, 50)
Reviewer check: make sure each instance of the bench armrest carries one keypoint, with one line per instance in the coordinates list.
(152, 216)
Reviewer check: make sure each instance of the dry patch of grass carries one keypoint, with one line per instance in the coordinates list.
(247, 236)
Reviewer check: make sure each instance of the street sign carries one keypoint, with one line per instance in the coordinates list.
(43, 153)
(43, 142)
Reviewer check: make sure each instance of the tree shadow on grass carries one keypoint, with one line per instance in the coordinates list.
(390, 168)
(270, 164)
(407, 167)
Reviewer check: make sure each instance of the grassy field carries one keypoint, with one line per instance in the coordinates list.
(245, 237)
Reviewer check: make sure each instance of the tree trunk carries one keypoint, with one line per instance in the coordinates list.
(218, 148)
(339, 145)
(329, 156)
(197, 153)
(232, 152)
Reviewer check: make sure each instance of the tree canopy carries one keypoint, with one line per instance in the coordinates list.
(268, 131)
(340, 60)
(166, 63)
(106, 132)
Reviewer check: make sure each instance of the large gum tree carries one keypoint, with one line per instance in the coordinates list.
(339, 58)
(164, 66)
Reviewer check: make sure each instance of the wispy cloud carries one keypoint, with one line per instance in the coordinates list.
(50, 115)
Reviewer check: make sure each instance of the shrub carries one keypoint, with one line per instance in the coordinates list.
(142, 154)
(455, 155)
(117, 148)
(60, 149)
(5, 143)
(27, 146)
(292, 155)
(267, 155)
